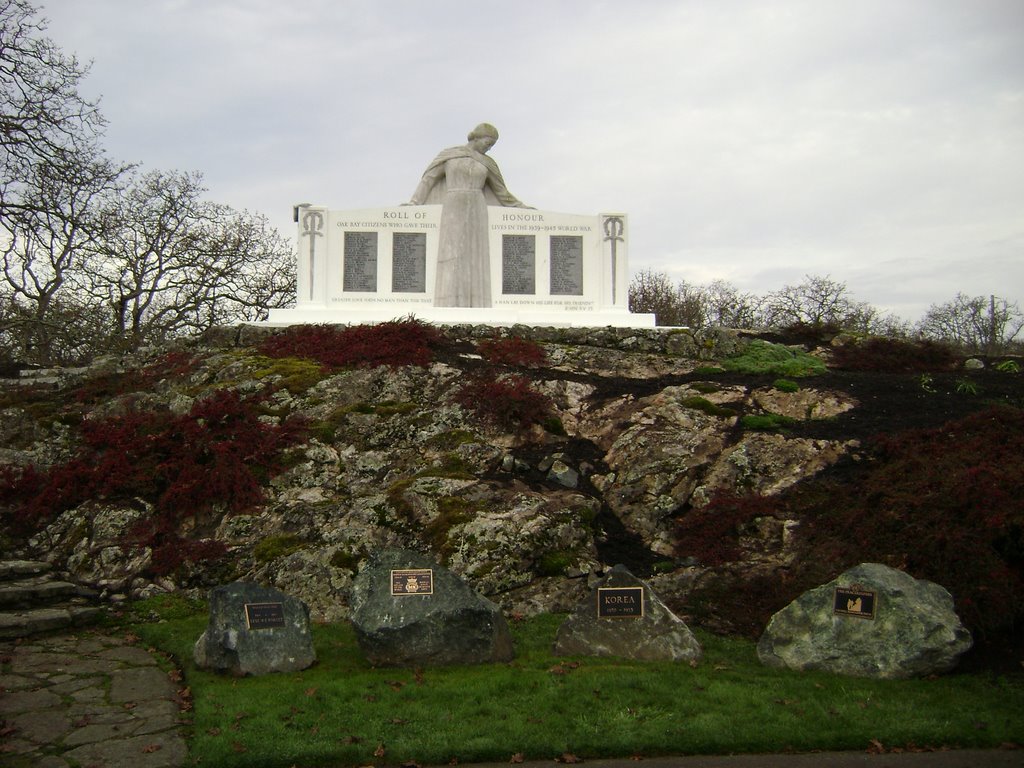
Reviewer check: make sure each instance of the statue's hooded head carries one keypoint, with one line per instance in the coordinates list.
(483, 130)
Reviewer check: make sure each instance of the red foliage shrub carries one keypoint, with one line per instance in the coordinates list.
(711, 533)
(944, 504)
(217, 455)
(170, 365)
(513, 351)
(395, 343)
(508, 402)
(893, 355)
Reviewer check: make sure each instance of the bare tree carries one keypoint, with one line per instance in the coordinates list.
(46, 240)
(979, 324)
(818, 302)
(727, 307)
(675, 305)
(43, 117)
(174, 263)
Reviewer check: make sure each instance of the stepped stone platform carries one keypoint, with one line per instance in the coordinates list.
(33, 600)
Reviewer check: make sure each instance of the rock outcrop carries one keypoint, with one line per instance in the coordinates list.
(637, 436)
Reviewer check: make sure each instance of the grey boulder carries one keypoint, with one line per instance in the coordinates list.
(657, 635)
(912, 629)
(255, 630)
(450, 624)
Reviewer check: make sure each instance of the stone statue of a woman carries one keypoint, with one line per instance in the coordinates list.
(464, 180)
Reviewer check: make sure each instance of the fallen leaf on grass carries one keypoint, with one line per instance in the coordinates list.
(214, 731)
(516, 758)
(395, 685)
(351, 740)
(239, 747)
(310, 692)
(876, 748)
(410, 764)
(398, 721)
(131, 638)
(568, 758)
(379, 751)
(174, 675)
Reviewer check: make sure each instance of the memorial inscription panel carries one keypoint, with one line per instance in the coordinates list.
(412, 581)
(620, 602)
(566, 265)
(854, 602)
(409, 262)
(264, 615)
(518, 264)
(360, 262)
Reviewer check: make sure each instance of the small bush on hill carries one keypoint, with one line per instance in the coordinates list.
(762, 357)
(513, 351)
(704, 405)
(509, 402)
(766, 422)
(711, 534)
(893, 355)
(395, 343)
(108, 385)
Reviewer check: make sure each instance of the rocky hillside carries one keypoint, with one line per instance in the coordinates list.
(527, 462)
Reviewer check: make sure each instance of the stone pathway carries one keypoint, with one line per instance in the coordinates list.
(92, 699)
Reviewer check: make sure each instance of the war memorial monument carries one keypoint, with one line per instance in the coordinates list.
(463, 249)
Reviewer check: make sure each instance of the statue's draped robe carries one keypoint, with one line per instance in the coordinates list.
(464, 181)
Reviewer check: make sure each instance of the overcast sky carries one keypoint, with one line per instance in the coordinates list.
(880, 142)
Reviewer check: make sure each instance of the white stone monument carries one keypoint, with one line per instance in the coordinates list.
(464, 250)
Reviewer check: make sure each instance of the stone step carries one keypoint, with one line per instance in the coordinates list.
(35, 590)
(13, 569)
(34, 621)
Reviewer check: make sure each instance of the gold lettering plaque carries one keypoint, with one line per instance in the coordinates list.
(620, 602)
(412, 581)
(264, 615)
(854, 601)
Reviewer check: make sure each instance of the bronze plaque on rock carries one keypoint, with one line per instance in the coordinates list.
(412, 581)
(620, 602)
(854, 602)
(264, 615)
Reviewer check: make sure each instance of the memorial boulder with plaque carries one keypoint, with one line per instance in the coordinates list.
(623, 617)
(872, 621)
(255, 630)
(409, 611)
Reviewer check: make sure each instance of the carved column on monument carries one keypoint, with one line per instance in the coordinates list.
(312, 248)
(614, 237)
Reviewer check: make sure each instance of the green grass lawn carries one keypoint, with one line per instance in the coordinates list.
(342, 711)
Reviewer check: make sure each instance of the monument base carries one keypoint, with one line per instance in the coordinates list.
(462, 316)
